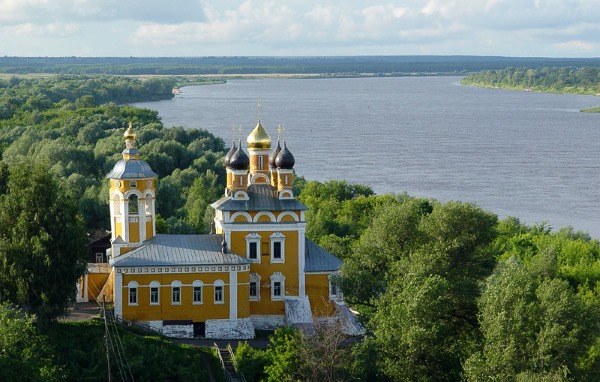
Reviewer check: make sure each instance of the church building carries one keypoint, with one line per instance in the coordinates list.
(258, 271)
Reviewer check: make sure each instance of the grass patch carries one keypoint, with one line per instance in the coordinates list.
(80, 352)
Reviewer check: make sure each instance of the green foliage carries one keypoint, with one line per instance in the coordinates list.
(534, 326)
(419, 266)
(251, 362)
(80, 352)
(578, 80)
(203, 192)
(283, 353)
(74, 124)
(24, 355)
(42, 243)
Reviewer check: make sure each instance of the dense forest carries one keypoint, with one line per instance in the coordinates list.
(347, 65)
(573, 80)
(446, 291)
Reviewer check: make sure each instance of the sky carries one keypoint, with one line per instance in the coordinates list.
(548, 28)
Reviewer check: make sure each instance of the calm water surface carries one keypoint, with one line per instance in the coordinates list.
(529, 155)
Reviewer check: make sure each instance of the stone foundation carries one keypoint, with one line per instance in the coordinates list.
(266, 322)
(241, 329)
(178, 329)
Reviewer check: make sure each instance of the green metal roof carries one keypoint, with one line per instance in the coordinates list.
(316, 259)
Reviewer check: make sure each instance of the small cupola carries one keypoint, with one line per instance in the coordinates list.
(274, 155)
(285, 159)
(229, 154)
(239, 160)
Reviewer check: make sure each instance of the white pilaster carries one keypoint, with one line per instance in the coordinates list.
(153, 218)
(113, 233)
(301, 260)
(118, 293)
(125, 222)
(233, 293)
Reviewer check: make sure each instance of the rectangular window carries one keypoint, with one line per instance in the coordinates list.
(334, 290)
(253, 289)
(176, 295)
(253, 251)
(133, 295)
(277, 288)
(154, 295)
(197, 294)
(99, 257)
(277, 250)
(218, 293)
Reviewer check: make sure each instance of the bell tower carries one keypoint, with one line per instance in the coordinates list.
(132, 194)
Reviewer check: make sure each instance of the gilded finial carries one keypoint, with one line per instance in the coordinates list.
(258, 108)
(278, 132)
(240, 131)
(284, 134)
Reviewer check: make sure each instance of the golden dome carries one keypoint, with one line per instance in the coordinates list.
(129, 134)
(259, 139)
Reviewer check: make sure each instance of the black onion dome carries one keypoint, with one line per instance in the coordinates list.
(239, 160)
(230, 154)
(285, 159)
(274, 155)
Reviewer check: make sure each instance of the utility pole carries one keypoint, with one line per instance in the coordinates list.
(106, 337)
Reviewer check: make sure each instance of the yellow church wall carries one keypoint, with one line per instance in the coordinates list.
(243, 303)
(265, 269)
(186, 310)
(317, 290)
(95, 283)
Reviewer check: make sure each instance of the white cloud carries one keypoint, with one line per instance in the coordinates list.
(303, 27)
(576, 46)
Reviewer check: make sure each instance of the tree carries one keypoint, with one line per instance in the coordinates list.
(205, 190)
(24, 356)
(423, 266)
(534, 326)
(283, 354)
(42, 243)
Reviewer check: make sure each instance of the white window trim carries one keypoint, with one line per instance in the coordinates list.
(130, 286)
(277, 277)
(219, 283)
(253, 237)
(154, 284)
(195, 284)
(277, 237)
(176, 284)
(336, 296)
(255, 278)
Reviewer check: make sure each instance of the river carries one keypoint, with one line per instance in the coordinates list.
(524, 154)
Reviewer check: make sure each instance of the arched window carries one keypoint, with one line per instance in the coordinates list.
(277, 286)
(176, 292)
(133, 205)
(254, 287)
(154, 293)
(197, 292)
(219, 292)
(117, 201)
(148, 204)
(133, 292)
